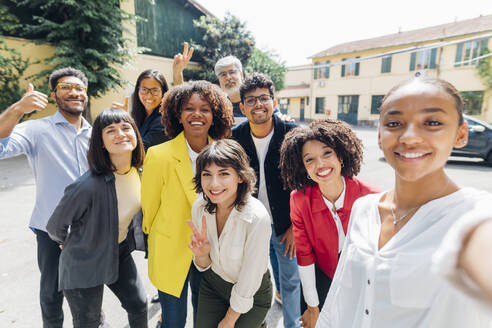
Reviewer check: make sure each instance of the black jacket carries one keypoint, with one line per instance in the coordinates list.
(85, 222)
(278, 198)
(152, 130)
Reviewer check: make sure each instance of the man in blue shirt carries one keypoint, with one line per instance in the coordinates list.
(56, 147)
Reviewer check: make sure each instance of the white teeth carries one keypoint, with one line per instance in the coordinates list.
(411, 155)
(196, 123)
(324, 172)
(216, 192)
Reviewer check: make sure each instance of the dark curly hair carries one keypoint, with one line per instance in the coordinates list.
(176, 98)
(138, 109)
(256, 81)
(445, 85)
(335, 134)
(226, 153)
(66, 71)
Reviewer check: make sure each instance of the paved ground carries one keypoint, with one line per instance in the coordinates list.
(19, 275)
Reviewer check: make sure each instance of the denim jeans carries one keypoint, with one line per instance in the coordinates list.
(85, 303)
(50, 299)
(174, 310)
(274, 264)
(290, 283)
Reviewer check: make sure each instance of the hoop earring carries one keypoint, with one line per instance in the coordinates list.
(309, 178)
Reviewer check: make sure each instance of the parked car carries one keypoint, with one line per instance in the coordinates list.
(479, 141)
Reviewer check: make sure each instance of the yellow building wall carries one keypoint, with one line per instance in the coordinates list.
(371, 81)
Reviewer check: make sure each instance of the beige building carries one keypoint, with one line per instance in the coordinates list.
(294, 98)
(348, 81)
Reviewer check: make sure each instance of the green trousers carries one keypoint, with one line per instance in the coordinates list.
(213, 302)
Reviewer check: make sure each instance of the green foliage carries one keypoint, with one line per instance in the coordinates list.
(484, 69)
(12, 68)
(86, 34)
(220, 39)
(268, 62)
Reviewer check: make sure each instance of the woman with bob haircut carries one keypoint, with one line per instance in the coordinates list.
(384, 276)
(193, 115)
(230, 241)
(93, 224)
(319, 163)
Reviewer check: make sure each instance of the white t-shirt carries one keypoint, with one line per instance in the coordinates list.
(193, 156)
(240, 255)
(128, 195)
(393, 287)
(261, 145)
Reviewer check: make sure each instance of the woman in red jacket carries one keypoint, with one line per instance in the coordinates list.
(319, 163)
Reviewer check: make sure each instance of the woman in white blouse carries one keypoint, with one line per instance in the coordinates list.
(384, 276)
(230, 241)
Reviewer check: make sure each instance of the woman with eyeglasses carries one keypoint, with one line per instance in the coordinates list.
(146, 99)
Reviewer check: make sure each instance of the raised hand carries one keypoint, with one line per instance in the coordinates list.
(123, 106)
(180, 62)
(31, 101)
(200, 246)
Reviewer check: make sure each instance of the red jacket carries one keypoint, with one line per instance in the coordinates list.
(315, 232)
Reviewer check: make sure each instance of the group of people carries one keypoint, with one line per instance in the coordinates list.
(209, 203)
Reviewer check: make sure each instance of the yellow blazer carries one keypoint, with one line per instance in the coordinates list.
(168, 192)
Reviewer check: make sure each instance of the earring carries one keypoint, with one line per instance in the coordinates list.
(309, 178)
(462, 142)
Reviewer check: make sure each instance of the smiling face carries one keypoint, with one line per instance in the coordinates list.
(70, 101)
(419, 126)
(119, 138)
(196, 117)
(220, 184)
(259, 113)
(321, 163)
(230, 79)
(150, 94)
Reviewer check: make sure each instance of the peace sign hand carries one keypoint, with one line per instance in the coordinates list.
(181, 60)
(200, 246)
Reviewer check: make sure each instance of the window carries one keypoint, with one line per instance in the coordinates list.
(284, 105)
(351, 68)
(472, 102)
(348, 104)
(322, 72)
(466, 51)
(376, 103)
(320, 105)
(386, 64)
(424, 59)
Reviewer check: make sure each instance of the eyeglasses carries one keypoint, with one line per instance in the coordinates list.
(153, 91)
(251, 101)
(67, 87)
(231, 72)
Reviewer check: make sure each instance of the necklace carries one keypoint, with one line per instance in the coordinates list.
(396, 220)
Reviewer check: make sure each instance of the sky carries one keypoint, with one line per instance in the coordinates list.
(296, 30)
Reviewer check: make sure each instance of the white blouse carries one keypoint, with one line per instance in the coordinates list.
(393, 287)
(240, 256)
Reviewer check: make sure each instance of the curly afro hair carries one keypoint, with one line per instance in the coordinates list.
(335, 134)
(178, 96)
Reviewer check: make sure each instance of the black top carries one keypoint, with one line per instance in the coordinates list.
(278, 198)
(85, 222)
(152, 130)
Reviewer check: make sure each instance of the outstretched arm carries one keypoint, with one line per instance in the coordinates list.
(180, 63)
(31, 101)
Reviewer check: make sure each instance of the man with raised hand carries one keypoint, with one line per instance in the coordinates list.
(261, 137)
(56, 147)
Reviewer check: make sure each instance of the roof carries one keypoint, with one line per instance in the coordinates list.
(458, 28)
(294, 91)
(199, 7)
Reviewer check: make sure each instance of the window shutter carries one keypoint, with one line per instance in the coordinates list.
(357, 67)
(459, 53)
(316, 72)
(484, 45)
(327, 70)
(343, 68)
(413, 57)
(433, 58)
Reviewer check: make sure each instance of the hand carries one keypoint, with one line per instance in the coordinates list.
(181, 60)
(229, 320)
(310, 317)
(61, 247)
(285, 117)
(224, 323)
(123, 106)
(200, 246)
(290, 246)
(31, 101)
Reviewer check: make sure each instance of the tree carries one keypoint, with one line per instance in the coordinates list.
(268, 62)
(12, 68)
(220, 39)
(86, 34)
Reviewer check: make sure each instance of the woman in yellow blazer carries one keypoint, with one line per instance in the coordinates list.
(192, 113)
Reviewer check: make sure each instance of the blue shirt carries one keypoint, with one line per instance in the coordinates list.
(57, 154)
